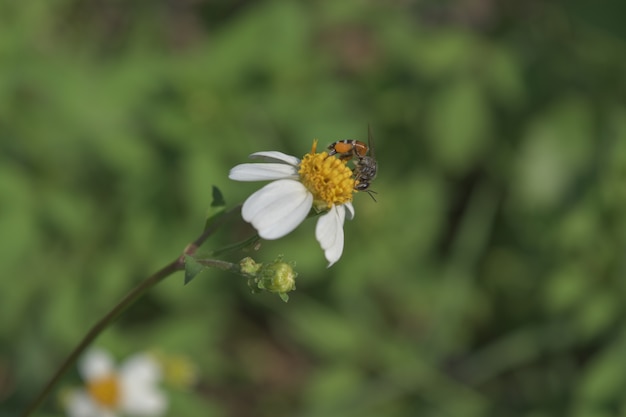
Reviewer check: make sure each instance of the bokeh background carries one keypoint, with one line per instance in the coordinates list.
(487, 280)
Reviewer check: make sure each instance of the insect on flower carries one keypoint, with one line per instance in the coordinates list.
(365, 166)
(317, 181)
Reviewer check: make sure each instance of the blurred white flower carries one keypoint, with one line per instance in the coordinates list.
(318, 181)
(129, 390)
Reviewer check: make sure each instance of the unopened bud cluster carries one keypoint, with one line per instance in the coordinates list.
(277, 277)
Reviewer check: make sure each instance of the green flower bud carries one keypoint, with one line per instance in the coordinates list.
(278, 276)
(249, 267)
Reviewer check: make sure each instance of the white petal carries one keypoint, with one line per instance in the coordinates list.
(78, 403)
(275, 156)
(96, 363)
(329, 233)
(262, 172)
(278, 208)
(140, 395)
(142, 401)
(349, 210)
(138, 400)
(141, 368)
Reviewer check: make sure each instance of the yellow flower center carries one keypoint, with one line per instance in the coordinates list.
(179, 371)
(329, 179)
(105, 391)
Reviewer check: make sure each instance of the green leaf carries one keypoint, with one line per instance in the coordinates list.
(218, 198)
(603, 377)
(192, 268)
(216, 209)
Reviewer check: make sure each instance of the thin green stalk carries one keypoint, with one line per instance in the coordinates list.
(236, 246)
(223, 265)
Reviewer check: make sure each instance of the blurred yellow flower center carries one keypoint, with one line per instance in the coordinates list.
(105, 391)
(180, 371)
(329, 179)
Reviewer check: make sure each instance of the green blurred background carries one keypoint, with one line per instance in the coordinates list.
(488, 279)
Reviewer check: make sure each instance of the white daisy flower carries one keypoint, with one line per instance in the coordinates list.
(318, 181)
(129, 390)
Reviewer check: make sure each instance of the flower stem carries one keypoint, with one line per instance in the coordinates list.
(237, 246)
(174, 266)
(223, 265)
